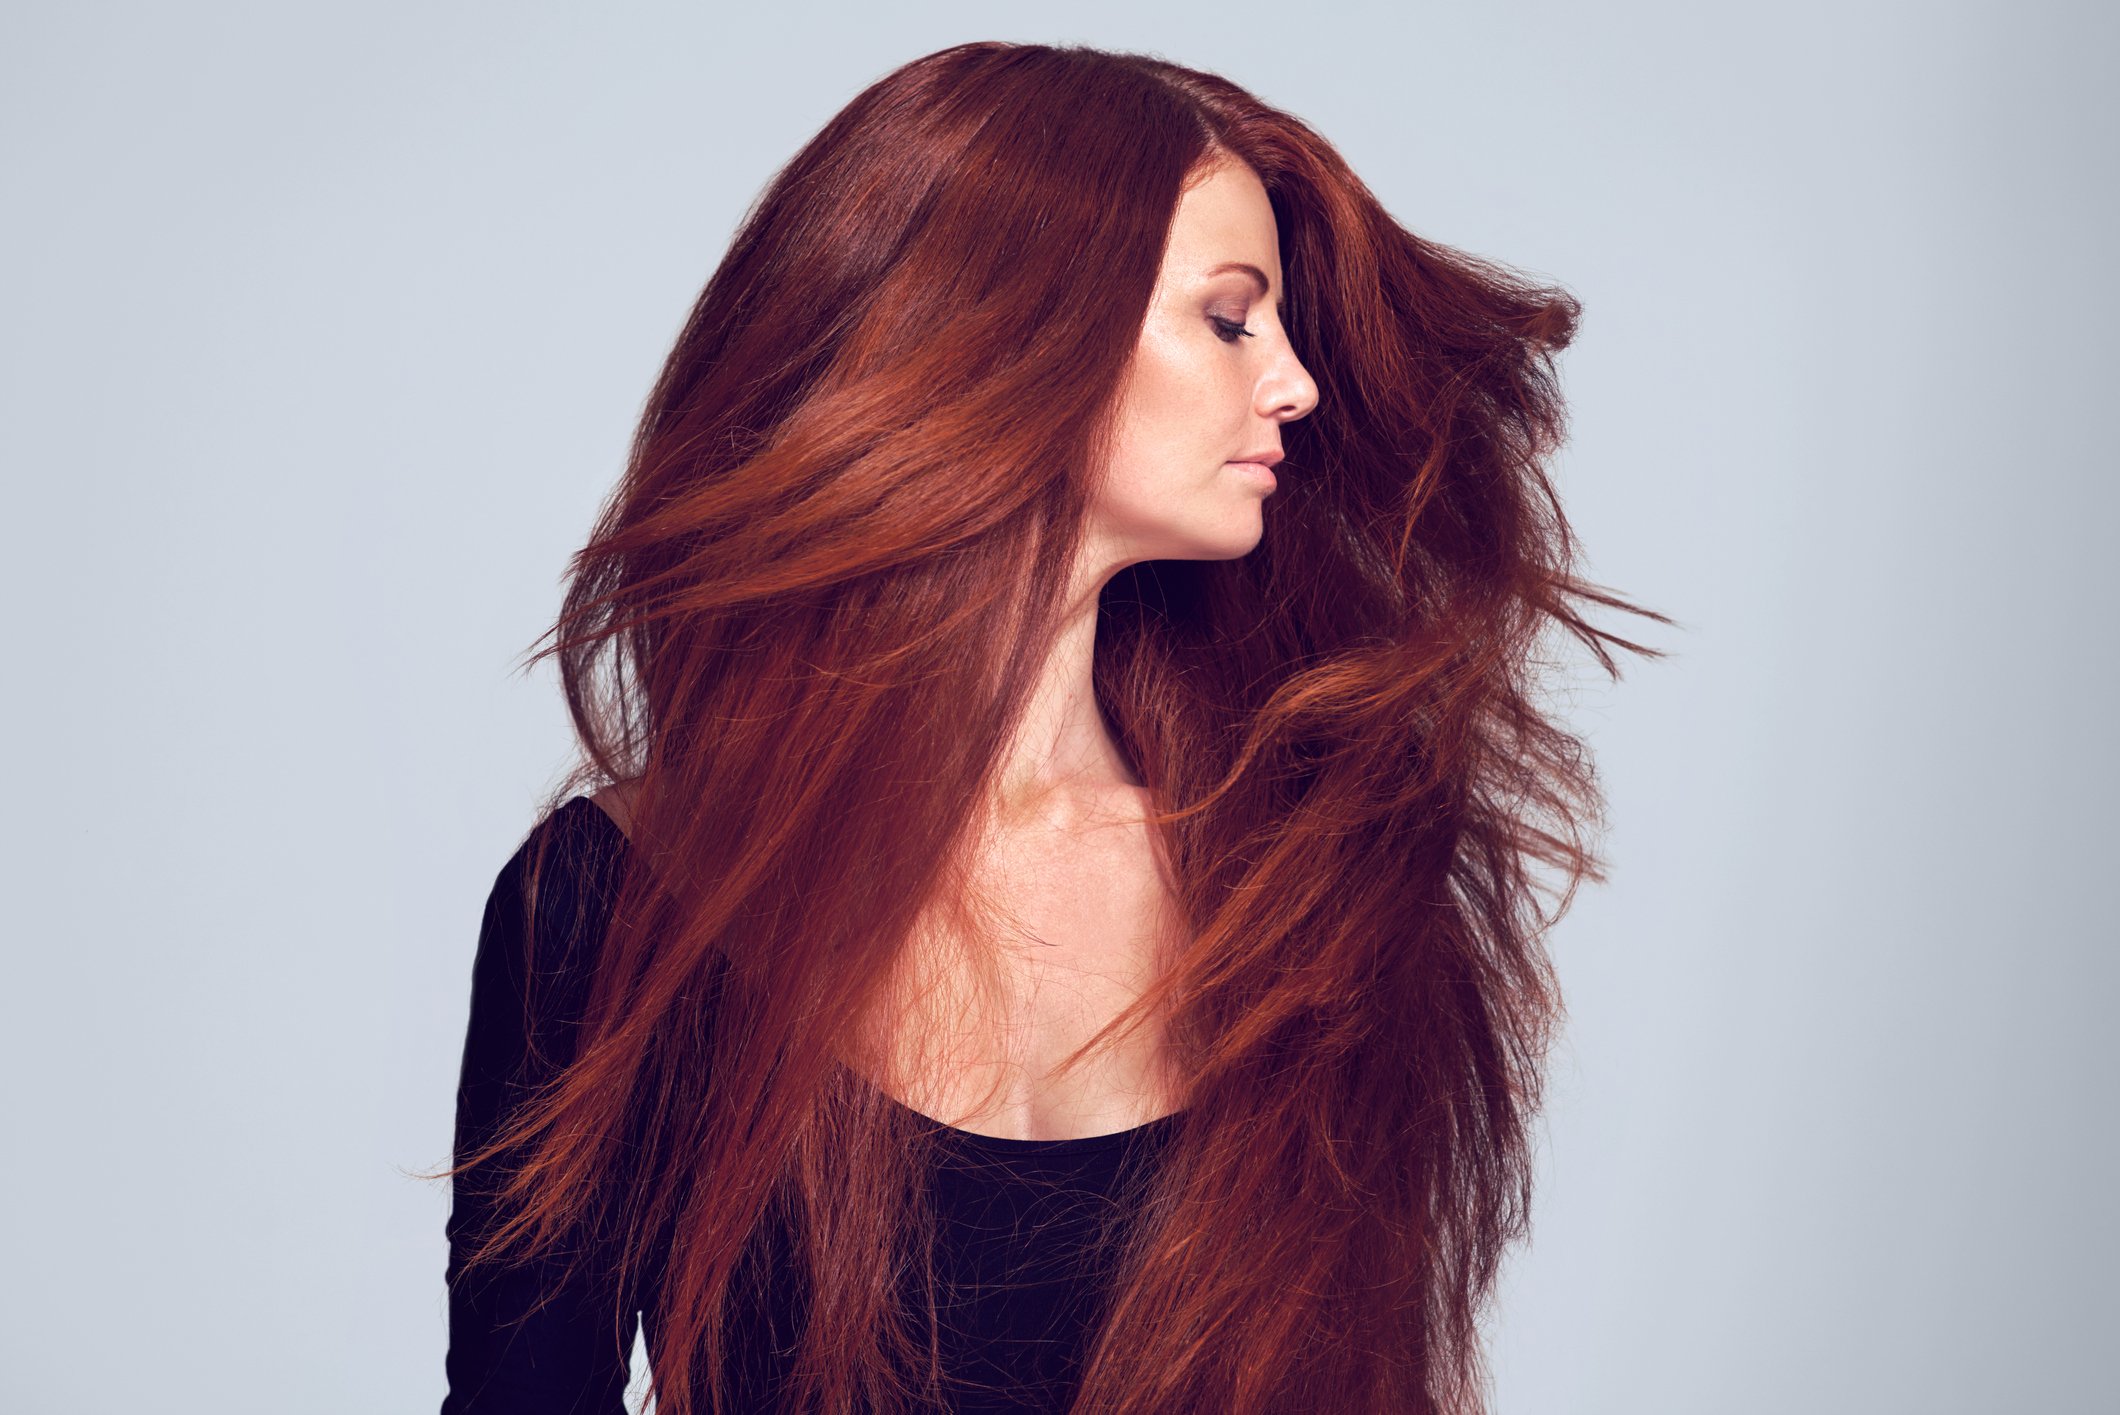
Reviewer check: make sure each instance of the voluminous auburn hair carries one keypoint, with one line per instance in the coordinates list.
(810, 616)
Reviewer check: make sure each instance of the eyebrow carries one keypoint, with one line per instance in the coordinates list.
(1246, 268)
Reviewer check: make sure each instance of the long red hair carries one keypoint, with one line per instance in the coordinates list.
(807, 621)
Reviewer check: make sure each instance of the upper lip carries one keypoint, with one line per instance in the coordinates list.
(1265, 459)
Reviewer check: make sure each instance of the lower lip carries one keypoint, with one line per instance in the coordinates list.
(1260, 470)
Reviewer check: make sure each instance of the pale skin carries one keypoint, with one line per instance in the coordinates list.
(1213, 380)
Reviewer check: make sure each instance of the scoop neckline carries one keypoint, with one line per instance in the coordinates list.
(1005, 1144)
(1013, 1145)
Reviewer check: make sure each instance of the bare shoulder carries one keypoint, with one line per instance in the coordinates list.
(616, 801)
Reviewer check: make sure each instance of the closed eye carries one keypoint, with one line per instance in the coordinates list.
(1227, 330)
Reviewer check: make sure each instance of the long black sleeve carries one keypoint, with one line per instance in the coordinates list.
(568, 1357)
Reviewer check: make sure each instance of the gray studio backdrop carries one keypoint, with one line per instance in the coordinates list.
(323, 330)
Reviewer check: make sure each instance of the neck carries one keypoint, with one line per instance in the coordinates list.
(1063, 751)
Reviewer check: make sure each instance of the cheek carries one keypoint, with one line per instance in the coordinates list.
(1180, 404)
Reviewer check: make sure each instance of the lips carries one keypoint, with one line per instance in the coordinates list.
(1265, 458)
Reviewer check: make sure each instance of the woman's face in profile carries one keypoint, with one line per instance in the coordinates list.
(1212, 380)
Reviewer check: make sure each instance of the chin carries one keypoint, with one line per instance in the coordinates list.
(1231, 543)
(1231, 534)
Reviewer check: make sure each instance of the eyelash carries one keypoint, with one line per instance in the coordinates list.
(1227, 330)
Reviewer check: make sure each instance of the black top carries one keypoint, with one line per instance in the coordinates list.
(1014, 1214)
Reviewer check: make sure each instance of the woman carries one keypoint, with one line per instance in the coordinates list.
(1054, 925)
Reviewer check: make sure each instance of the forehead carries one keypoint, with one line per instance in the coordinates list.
(1227, 217)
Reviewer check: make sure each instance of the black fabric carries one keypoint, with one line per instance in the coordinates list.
(1014, 1214)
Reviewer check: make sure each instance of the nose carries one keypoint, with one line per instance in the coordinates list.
(1287, 392)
